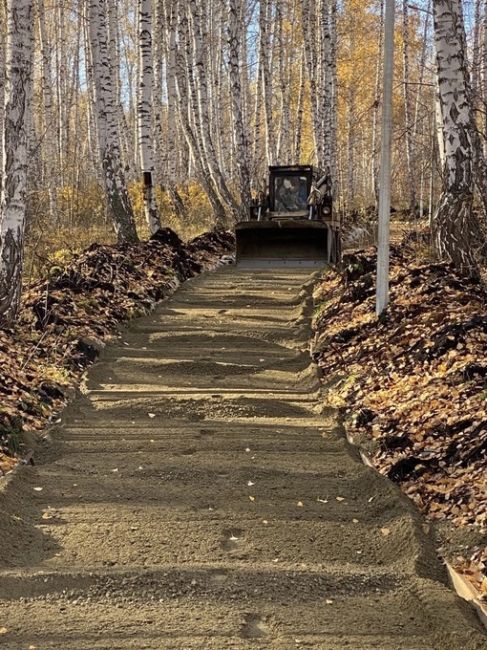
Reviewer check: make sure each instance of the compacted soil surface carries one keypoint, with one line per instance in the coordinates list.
(197, 496)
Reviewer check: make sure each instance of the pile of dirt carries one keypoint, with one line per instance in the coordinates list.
(413, 385)
(67, 316)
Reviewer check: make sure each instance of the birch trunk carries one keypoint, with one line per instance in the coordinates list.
(49, 117)
(3, 47)
(284, 49)
(159, 56)
(14, 173)
(327, 83)
(455, 226)
(310, 50)
(242, 145)
(106, 110)
(334, 94)
(300, 112)
(172, 112)
(266, 76)
(408, 111)
(144, 114)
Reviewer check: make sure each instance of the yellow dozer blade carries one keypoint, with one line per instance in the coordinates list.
(282, 243)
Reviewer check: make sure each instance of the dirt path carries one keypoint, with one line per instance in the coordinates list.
(197, 497)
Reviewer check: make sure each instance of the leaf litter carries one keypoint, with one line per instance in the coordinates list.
(412, 386)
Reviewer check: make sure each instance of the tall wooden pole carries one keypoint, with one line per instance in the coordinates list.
(385, 170)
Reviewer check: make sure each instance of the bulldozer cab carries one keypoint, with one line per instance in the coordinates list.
(291, 223)
(289, 191)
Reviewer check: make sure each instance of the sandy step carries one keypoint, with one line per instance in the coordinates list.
(223, 604)
(128, 537)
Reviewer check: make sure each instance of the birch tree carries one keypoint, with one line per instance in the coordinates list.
(14, 172)
(50, 175)
(3, 48)
(234, 64)
(265, 14)
(106, 110)
(146, 82)
(455, 224)
(174, 142)
(408, 109)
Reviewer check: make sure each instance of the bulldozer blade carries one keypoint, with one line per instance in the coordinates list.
(282, 243)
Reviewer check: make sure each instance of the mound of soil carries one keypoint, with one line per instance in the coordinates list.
(67, 316)
(413, 385)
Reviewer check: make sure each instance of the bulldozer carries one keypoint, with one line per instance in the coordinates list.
(292, 222)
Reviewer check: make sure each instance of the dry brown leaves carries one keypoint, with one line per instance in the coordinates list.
(415, 382)
(65, 318)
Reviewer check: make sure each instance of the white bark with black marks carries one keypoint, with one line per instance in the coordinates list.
(144, 114)
(241, 139)
(18, 93)
(455, 225)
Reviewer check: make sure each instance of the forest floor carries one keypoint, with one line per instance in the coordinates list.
(198, 494)
(412, 390)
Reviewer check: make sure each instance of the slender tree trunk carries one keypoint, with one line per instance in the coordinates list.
(484, 73)
(242, 148)
(408, 113)
(334, 94)
(172, 111)
(310, 49)
(14, 187)
(476, 54)
(49, 119)
(300, 111)
(328, 73)
(267, 86)
(159, 56)
(146, 82)
(3, 52)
